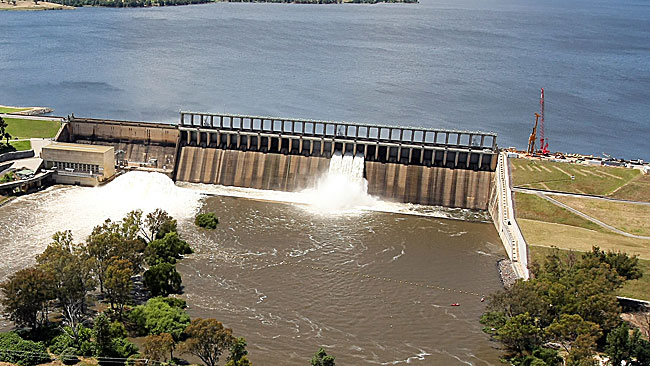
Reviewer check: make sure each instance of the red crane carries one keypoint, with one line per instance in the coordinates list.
(543, 142)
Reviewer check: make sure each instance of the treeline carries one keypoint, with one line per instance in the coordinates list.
(57, 304)
(129, 3)
(568, 313)
(323, 1)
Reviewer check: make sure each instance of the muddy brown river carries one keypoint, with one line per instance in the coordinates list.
(365, 285)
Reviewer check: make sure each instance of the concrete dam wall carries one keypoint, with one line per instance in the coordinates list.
(249, 169)
(402, 164)
(390, 181)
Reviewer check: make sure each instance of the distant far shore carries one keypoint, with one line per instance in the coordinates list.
(71, 4)
(31, 5)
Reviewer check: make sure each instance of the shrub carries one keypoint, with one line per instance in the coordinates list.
(160, 315)
(14, 349)
(207, 220)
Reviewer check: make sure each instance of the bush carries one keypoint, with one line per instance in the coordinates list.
(166, 250)
(160, 315)
(207, 220)
(14, 349)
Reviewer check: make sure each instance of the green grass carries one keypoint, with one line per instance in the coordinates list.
(597, 180)
(21, 145)
(530, 206)
(637, 289)
(11, 110)
(25, 128)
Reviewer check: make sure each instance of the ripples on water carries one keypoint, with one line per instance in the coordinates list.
(269, 271)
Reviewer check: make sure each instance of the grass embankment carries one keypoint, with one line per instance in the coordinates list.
(26, 128)
(629, 217)
(638, 189)
(11, 109)
(530, 206)
(597, 180)
(21, 145)
(638, 289)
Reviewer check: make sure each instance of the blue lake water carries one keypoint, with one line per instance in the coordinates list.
(463, 64)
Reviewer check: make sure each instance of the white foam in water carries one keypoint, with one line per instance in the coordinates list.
(134, 190)
(342, 188)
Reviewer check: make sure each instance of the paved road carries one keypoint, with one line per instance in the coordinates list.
(578, 195)
(592, 219)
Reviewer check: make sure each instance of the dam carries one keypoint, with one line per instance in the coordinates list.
(449, 168)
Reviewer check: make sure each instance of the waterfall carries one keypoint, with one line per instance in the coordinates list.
(343, 187)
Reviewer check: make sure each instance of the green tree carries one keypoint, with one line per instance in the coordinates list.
(159, 315)
(207, 339)
(4, 135)
(568, 327)
(102, 336)
(72, 277)
(520, 334)
(116, 240)
(582, 351)
(321, 358)
(157, 346)
(162, 279)
(26, 295)
(238, 353)
(157, 224)
(166, 249)
(118, 283)
(626, 266)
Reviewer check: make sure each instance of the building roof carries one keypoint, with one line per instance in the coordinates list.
(77, 147)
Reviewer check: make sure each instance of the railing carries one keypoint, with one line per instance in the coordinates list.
(345, 130)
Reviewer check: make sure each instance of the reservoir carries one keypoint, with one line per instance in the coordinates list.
(455, 64)
(292, 277)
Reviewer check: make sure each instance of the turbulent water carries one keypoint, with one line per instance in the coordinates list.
(292, 277)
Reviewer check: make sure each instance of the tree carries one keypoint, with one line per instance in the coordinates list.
(3, 130)
(160, 315)
(116, 240)
(520, 334)
(118, 283)
(162, 279)
(238, 353)
(322, 359)
(156, 347)
(620, 347)
(207, 339)
(102, 335)
(626, 266)
(568, 327)
(72, 277)
(157, 224)
(26, 295)
(166, 249)
(582, 351)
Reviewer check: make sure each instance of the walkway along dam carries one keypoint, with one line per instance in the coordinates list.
(404, 164)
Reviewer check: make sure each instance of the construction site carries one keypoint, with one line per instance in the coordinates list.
(574, 202)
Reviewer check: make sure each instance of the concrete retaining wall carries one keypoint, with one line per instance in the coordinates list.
(15, 155)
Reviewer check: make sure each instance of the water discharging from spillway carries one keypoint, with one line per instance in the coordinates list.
(342, 188)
